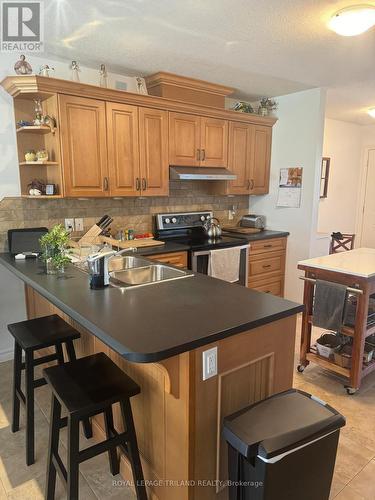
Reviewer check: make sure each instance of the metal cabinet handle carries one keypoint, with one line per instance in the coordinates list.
(266, 266)
(268, 246)
(144, 184)
(198, 157)
(203, 157)
(105, 184)
(252, 184)
(137, 184)
(248, 184)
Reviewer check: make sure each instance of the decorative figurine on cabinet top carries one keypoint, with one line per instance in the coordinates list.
(74, 66)
(103, 76)
(22, 67)
(45, 70)
(141, 85)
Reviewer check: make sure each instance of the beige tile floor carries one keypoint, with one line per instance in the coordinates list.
(354, 477)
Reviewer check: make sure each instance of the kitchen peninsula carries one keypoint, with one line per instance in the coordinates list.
(157, 335)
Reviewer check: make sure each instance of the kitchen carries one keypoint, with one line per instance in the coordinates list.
(158, 193)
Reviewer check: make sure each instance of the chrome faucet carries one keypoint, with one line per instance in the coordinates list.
(99, 268)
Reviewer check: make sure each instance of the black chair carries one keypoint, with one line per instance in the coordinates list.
(87, 387)
(30, 336)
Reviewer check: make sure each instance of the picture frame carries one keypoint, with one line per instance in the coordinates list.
(50, 189)
(324, 176)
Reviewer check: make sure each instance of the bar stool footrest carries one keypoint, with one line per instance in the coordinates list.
(99, 448)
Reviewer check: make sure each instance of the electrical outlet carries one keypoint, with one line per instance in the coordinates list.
(78, 224)
(209, 363)
(69, 225)
(230, 214)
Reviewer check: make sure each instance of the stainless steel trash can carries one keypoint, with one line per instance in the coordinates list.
(283, 448)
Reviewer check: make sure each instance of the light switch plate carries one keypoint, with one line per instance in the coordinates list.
(209, 363)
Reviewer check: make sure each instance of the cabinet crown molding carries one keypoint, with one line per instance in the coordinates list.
(35, 86)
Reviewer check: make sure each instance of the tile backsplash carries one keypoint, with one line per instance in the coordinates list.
(133, 213)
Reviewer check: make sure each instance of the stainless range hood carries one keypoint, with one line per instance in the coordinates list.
(201, 174)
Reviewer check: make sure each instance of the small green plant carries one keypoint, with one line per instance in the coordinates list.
(54, 248)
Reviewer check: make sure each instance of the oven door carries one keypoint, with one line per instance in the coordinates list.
(200, 262)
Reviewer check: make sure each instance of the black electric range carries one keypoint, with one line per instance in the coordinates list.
(187, 228)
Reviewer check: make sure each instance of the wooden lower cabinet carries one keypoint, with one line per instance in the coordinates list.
(267, 266)
(274, 286)
(178, 416)
(178, 259)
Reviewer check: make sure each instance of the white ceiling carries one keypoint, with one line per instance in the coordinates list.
(260, 47)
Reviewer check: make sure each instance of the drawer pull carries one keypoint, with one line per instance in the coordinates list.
(267, 291)
(266, 266)
(268, 246)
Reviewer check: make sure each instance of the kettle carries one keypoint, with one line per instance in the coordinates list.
(212, 228)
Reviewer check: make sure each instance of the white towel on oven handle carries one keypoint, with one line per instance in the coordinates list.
(224, 263)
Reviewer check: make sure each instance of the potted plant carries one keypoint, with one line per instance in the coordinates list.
(266, 105)
(54, 249)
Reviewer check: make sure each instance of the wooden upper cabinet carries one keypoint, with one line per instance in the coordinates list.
(240, 160)
(153, 145)
(184, 139)
(196, 141)
(123, 149)
(83, 146)
(260, 171)
(214, 142)
(249, 158)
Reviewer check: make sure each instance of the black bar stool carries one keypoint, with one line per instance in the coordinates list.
(30, 336)
(87, 387)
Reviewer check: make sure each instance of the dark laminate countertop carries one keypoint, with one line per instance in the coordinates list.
(151, 323)
(267, 234)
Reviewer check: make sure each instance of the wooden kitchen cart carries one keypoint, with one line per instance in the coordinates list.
(356, 270)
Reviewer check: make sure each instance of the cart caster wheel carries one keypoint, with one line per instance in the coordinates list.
(351, 391)
(301, 368)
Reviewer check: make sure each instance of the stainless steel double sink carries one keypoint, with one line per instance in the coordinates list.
(131, 271)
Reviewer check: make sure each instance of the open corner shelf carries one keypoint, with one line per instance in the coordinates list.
(29, 163)
(35, 129)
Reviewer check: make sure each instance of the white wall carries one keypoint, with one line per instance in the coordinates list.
(12, 306)
(343, 144)
(297, 141)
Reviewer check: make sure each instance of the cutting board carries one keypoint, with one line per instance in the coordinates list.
(141, 243)
(242, 230)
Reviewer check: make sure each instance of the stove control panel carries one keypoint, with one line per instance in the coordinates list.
(182, 220)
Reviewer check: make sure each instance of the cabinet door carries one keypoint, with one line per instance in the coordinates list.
(83, 146)
(239, 160)
(260, 169)
(184, 139)
(153, 144)
(214, 142)
(123, 150)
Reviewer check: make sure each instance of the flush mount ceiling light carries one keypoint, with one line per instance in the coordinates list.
(371, 112)
(353, 20)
